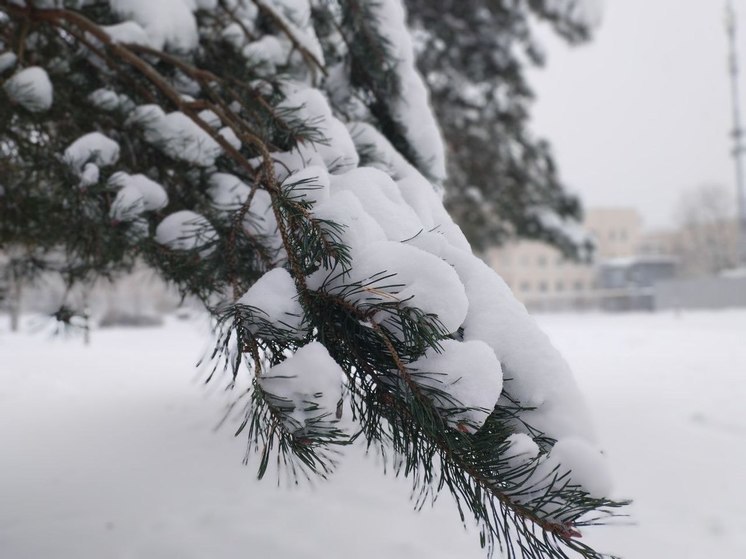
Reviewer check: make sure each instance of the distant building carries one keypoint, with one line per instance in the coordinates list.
(543, 279)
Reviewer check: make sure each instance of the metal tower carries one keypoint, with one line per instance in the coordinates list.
(738, 131)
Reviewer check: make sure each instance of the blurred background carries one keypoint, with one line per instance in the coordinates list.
(605, 193)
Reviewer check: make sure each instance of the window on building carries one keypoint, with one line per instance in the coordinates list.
(623, 234)
(543, 286)
(525, 286)
(525, 260)
(612, 235)
(578, 285)
(542, 261)
(559, 286)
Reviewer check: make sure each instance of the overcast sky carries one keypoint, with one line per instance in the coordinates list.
(642, 112)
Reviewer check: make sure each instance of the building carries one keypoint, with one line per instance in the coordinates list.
(543, 279)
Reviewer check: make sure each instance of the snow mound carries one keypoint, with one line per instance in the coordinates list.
(30, 88)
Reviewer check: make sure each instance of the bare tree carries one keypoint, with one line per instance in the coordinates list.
(708, 239)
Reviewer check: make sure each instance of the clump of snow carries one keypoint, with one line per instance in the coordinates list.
(382, 200)
(128, 204)
(269, 52)
(230, 136)
(177, 135)
(360, 229)
(337, 150)
(134, 187)
(7, 61)
(536, 374)
(307, 386)
(583, 465)
(108, 100)
(227, 192)
(94, 148)
(276, 296)
(310, 184)
(89, 175)
(469, 373)
(30, 88)
(295, 15)
(127, 32)
(412, 107)
(522, 449)
(379, 151)
(169, 24)
(261, 223)
(186, 230)
(417, 279)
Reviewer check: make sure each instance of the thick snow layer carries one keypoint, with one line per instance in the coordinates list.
(128, 32)
(91, 148)
(309, 382)
(536, 374)
(31, 89)
(153, 194)
(7, 61)
(338, 150)
(360, 229)
(260, 222)
(417, 279)
(128, 204)
(412, 107)
(169, 24)
(469, 373)
(176, 135)
(276, 296)
(185, 230)
(582, 464)
(111, 451)
(227, 192)
(310, 184)
(382, 200)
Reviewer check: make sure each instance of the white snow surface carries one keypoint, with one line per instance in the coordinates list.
(110, 450)
(310, 382)
(185, 230)
(469, 373)
(177, 135)
(7, 61)
(94, 148)
(276, 295)
(170, 24)
(153, 194)
(30, 88)
(227, 192)
(412, 108)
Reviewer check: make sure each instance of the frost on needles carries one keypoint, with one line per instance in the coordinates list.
(278, 160)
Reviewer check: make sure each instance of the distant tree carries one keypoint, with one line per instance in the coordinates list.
(502, 180)
(270, 159)
(708, 231)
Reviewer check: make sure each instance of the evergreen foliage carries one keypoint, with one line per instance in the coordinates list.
(202, 144)
(501, 178)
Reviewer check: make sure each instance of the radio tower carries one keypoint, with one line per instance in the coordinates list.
(738, 131)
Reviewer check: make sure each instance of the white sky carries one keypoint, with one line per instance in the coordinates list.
(643, 112)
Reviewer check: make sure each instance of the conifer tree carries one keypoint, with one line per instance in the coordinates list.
(277, 160)
(502, 182)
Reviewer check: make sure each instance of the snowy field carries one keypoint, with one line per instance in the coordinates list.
(110, 451)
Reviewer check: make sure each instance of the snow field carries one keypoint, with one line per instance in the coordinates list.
(110, 451)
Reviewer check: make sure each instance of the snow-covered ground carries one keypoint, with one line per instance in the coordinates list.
(110, 451)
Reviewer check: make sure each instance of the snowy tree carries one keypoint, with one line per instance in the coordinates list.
(502, 180)
(277, 160)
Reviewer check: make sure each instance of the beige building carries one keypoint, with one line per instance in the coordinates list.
(541, 277)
